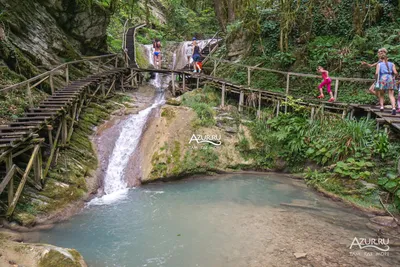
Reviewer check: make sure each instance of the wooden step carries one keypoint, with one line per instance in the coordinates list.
(34, 118)
(43, 110)
(20, 123)
(9, 140)
(41, 114)
(2, 135)
(11, 129)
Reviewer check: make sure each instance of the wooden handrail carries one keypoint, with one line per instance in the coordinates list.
(52, 71)
(291, 73)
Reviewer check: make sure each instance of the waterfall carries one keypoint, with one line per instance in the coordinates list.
(115, 186)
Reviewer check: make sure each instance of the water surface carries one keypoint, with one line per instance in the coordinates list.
(236, 220)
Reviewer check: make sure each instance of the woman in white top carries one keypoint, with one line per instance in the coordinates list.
(189, 53)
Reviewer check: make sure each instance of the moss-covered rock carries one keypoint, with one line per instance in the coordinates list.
(56, 258)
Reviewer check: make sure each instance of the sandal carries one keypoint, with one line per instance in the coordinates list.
(331, 99)
(321, 96)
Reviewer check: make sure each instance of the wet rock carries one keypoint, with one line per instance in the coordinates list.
(117, 113)
(369, 185)
(130, 111)
(174, 102)
(231, 130)
(384, 221)
(220, 118)
(129, 105)
(300, 255)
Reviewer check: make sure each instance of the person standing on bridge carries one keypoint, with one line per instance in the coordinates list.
(381, 51)
(189, 53)
(157, 53)
(384, 74)
(326, 82)
(196, 56)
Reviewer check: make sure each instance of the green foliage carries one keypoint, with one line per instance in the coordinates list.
(202, 101)
(355, 169)
(391, 184)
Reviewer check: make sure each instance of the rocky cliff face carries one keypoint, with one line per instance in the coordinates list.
(39, 34)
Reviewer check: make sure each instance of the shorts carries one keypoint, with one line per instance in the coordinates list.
(386, 82)
(196, 58)
(157, 53)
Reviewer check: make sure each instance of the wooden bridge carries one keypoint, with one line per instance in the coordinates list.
(48, 126)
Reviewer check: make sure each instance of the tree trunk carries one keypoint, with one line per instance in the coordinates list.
(231, 10)
(219, 12)
(146, 4)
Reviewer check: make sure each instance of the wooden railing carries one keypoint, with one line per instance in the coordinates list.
(217, 61)
(61, 70)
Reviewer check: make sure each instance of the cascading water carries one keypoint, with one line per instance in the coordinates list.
(156, 82)
(181, 58)
(115, 186)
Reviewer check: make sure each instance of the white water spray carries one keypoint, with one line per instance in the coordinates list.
(115, 186)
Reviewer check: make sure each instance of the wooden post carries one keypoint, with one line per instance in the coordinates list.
(287, 91)
(241, 100)
(215, 68)
(67, 74)
(312, 113)
(223, 95)
(352, 113)
(64, 132)
(369, 115)
(71, 127)
(336, 89)
(38, 167)
(11, 183)
(132, 81)
(344, 113)
(198, 83)
(53, 149)
(103, 90)
(98, 65)
(51, 83)
(248, 76)
(50, 129)
(259, 106)
(183, 82)
(173, 83)
(278, 106)
(29, 93)
(116, 61)
(23, 181)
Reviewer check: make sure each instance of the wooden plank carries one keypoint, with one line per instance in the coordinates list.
(10, 129)
(8, 177)
(53, 148)
(23, 181)
(35, 114)
(29, 94)
(13, 134)
(33, 118)
(37, 168)
(16, 154)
